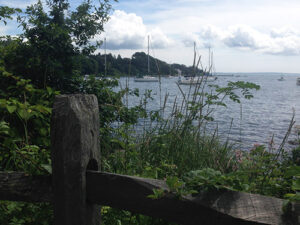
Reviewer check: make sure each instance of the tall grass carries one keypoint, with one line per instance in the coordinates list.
(176, 141)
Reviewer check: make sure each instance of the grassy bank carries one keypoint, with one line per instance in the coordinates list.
(192, 159)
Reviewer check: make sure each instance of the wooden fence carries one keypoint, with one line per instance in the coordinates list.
(76, 187)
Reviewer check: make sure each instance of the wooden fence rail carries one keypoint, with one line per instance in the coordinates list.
(76, 188)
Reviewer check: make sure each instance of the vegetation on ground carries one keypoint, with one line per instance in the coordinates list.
(48, 59)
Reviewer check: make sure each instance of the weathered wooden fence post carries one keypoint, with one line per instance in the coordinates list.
(75, 147)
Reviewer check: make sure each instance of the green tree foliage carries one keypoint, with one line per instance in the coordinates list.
(7, 12)
(137, 65)
(24, 141)
(52, 40)
(33, 67)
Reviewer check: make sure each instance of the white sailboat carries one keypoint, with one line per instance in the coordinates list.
(147, 78)
(190, 80)
(193, 80)
(105, 65)
(211, 71)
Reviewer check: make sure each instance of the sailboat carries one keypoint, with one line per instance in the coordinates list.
(192, 80)
(211, 76)
(146, 78)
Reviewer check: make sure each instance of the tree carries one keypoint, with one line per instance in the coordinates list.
(6, 12)
(47, 54)
(53, 40)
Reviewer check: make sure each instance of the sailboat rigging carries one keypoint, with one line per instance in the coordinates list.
(198, 79)
(105, 63)
(147, 78)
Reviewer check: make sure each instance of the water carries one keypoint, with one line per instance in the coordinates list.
(254, 121)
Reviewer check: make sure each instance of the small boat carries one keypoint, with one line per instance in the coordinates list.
(298, 81)
(146, 79)
(281, 79)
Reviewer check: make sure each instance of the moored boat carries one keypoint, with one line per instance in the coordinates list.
(195, 80)
(298, 81)
(199, 78)
(146, 79)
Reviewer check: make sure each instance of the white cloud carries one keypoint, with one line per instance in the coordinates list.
(3, 30)
(159, 39)
(127, 31)
(282, 41)
(203, 39)
(190, 38)
(242, 36)
(284, 32)
(210, 32)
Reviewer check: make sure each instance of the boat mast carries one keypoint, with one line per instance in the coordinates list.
(194, 61)
(212, 63)
(105, 67)
(148, 57)
(209, 62)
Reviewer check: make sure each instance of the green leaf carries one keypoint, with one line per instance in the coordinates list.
(47, 167)
(25, 114)
(3, 102)
(122, 144)
(157, 194)
(293, 171)
(296, 185)
(11, 108)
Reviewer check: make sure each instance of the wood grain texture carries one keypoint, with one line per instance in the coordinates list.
(74, 146)
(16, 186)
(222, 207)
(130, 193)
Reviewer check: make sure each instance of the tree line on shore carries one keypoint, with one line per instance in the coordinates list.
(134, 66)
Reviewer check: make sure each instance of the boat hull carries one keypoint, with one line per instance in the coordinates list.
(196, 80)
(146, 79)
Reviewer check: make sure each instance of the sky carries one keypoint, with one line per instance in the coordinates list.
(244, 35)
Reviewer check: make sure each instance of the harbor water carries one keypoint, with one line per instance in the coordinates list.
(263, 119)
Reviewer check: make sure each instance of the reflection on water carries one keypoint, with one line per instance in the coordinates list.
(257, 120)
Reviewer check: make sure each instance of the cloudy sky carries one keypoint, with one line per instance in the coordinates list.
(244, 35)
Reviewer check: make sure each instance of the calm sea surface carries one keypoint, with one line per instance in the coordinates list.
(254, 121)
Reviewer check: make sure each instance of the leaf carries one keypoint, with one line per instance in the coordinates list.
(173, 183)
(4, 128)
(157, 194)
(2, 102)
(296, 185)
(24, 114)
(11, 108)
(122, 144)
(293, 171)
(289, 195)
(47, 167)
